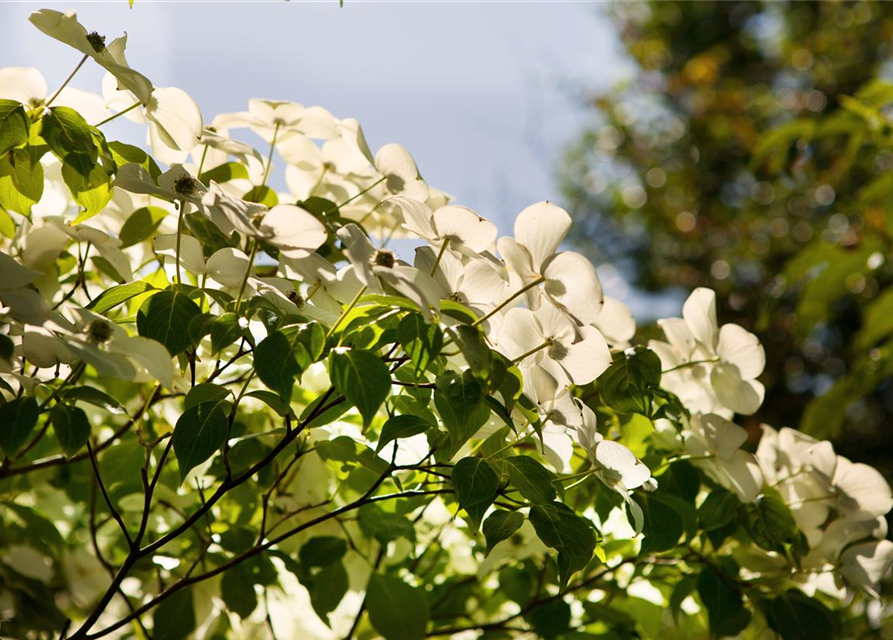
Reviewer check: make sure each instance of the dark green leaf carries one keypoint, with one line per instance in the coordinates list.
(627, 384)
(404, 426)
(473, 345)
(15, 125)
(563, 530)
(128, 154)
(174, 619)
(225, 330)
(165, 317)
(475, 482)
(322, 551)
(663, 527)
(204, 392)
(72, 428)
(530, 478)
(346, 449)
(327, 589)
(237, 591)
(459, 400)
(769, 522)
(362, 378)
(224, 173)
(199, 432)
(718, 509)
(551, 619)
(725, 610)
(421, 340)
(397, 610)
(376, 523)
(796, 616)
(283, 356)
(17, 419)
(500, 525)
(69, 137)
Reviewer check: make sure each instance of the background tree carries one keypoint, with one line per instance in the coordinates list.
(751, 153)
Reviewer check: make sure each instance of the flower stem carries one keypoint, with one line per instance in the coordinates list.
(505, 302)
(354, 197)
(120, 113)
(547, 343)
(67, 80)
(247, 274)
(270, 156)
(443, 249)
(179, 234)
(693, 363)
(344, 313)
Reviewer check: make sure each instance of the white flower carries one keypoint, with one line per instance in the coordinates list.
(565, 278)
(462, 228)
(17, 298)
(711, 369)
(66, 28)
(719, 440)
(866, 563)
(401, 174)
(547, 338)
(294, 231)
(479, 283)
(28, 86)
(862, 492)
(616, 323)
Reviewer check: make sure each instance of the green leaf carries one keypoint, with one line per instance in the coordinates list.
(376, 523)
(205, 392)
(224, 173)
(475, 482)
(7, 347)
(7, 224)
(563, 530)
(796, 616)
(627, 384)
(174, 619)
(473, 345)
(199, 432)
(346, 449)
(507, 380)
(111, 298)
(718, 509)
(141, 225)
(327, 589)
(21, 181)
(459, 400)
(263, 195)
(283, 356)
(362, 378)
(225, 330)
(530, 478)
(664, 525)
(128, 154)
(726, 613)
(322, 551)
(69, 137)
(501, 525)
(769, 522)
(72, 428)
(165, 317)
(17, 419)
(422, 341)
(92, 395)
(397, 610)
(92, 191)
(551, 619)
(15, 125)
(404, 426)
(237, 590)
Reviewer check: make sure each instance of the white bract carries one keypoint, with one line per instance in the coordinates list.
(712, 369)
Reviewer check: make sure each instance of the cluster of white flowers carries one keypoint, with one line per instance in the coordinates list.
(540, 307)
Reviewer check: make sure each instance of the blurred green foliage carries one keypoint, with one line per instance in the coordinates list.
(752, 152)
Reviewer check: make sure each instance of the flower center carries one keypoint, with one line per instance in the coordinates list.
(186, 186)
(296, 298)
(96, 41)
(99, 331)
(384, 258)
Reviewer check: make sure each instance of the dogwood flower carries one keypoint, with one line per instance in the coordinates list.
(716, 444)
(401, 173)
(547, 338)
(459, 227)
(865, 564)
(712, 369)
(18, 299)
(65, 27)
(28, 86)
(566, 279)
(616, 323)
(477, 284)
(293, 230)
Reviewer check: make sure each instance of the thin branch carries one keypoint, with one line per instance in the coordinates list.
(105, 495)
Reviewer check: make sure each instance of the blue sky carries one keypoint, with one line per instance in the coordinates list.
(483, 94)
